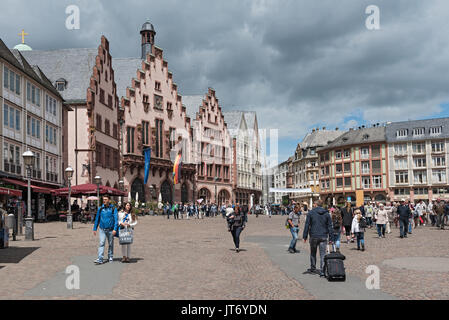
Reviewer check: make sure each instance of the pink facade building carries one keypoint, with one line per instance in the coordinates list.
(211, 148)
(155, 118)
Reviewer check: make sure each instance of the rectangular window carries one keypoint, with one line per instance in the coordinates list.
(338, 168)
(436, 130)
(419, 148)
(29, 125)
(419, 162)
(437, 146)
(375, 150)
(17, 84)
(401, 177)
(5, 77)
(115, 131)
(400, 149)
(377, 182)
(417, 132)
(420, 191)
(439, 176)
(439, 161)
(11, 80)
(28, 91)
(401, 133)
(338, 154)
(364, 153)
(365, 168)
(99, 151)
(366, 182)
(11, 117)
(339, 182)
(347, 182)
(420, 176)
(401, 192)
(98, 122)
(347, 167)
(347, 153)
(5, 115)
(376, 166)
(400, 163)
(102, 96)
(107, 127)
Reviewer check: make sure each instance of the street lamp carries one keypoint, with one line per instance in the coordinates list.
(97, 181)
(28, 159)
(121, 184)
(216, 200)
(69, 174)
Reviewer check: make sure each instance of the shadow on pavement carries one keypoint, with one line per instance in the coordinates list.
(45, 238)
(240, 250)
(15, 254)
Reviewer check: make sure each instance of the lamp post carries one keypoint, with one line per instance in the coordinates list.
(69, 174)
(97, 180)
(121, 184)
(216, 200)
(28, 159)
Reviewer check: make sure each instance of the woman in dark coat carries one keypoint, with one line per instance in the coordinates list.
(347, 214)
(237, 225)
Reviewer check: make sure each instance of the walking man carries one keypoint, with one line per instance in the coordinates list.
(293, 220)
(107, 220)
(404, 214)
(439, 209)
(319, 227)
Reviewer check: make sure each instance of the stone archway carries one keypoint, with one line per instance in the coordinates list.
(166, 192)
(223, 197)
(138, 187)
(204, 194)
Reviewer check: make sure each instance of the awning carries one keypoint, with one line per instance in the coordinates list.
(25, 184)
(88, 189)
(10, 192)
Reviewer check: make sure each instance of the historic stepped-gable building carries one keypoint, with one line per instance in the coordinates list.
(85, 79)
(211, 148)
(153, 117)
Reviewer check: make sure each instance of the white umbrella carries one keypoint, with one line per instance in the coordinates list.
(160, 205)
(200, 200)
(129, 196)
(137, 196)
(92, 198)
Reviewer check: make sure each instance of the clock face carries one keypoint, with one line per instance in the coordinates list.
(158, 101)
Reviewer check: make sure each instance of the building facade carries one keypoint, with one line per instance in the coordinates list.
(32, 118)
(418, 153)
(211, 148)
(280, 181)
(85, 79)
(355, 166)
(155, 118)
(246, 168)
(305, 164)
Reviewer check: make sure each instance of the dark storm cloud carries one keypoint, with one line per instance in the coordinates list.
(299, 64)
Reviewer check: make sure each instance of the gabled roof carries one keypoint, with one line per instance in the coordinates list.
(233, 120)
(358, 136)
(125, 69)
(73, 65)
(192, 104)
(17, 59)
(319, 138)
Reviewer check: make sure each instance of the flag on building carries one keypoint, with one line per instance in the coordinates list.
(177, 168)
(147, 164)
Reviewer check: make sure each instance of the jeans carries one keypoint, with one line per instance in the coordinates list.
(440, 221)
(336, 238)
(360, 239)
(410, 225)
(294, 232)
(403, 224)
(381, 230)
(236, 231)
(106, 233)
(314, 243)
(433, 219)
(126, 250)
(369, 221)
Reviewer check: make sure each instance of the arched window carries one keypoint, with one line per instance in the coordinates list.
(184, 193)
(166, 192)
(137, 187)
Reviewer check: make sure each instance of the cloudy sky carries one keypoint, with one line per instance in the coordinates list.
(300, 64)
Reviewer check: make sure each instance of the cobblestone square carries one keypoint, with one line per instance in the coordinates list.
(194, 259)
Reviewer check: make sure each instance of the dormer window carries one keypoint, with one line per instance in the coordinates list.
(61, 84)
(401, 133)
(436, 130)
(418, 132)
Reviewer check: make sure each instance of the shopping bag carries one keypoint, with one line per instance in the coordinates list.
(126, 236)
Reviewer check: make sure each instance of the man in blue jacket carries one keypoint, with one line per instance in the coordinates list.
(107, 220)
(319, 226)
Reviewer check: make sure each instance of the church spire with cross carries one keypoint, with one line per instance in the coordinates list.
(22, 46)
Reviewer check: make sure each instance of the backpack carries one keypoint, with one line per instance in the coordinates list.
(362, 223)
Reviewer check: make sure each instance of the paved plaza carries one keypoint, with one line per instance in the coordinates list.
(194, 259)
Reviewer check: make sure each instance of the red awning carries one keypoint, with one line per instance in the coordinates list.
(10, 192)
(88, 189)
(25, 184)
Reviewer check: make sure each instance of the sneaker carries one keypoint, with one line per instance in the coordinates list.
(237, 250)
(291, 250)
(296, 251)
(111, 259)
(322, 275)
(98, 261)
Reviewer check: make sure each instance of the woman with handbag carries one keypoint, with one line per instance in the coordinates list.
(126, 219)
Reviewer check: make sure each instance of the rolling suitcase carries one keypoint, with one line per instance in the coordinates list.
(334, 268)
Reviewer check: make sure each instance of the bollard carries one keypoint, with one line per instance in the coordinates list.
(11, 224)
